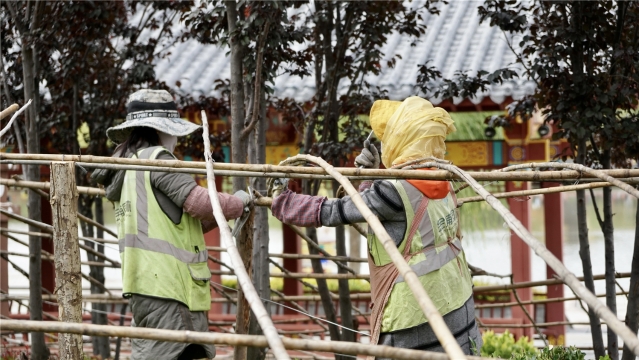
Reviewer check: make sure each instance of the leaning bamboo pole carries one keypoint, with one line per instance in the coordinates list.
(629, 338)
(194, 337)
(265, 170)
(443, 334)
(8, 111)
(243, 278)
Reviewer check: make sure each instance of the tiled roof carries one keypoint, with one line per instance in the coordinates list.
(453, 41)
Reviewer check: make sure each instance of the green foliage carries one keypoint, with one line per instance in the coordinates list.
(504, 346)
(554, 353)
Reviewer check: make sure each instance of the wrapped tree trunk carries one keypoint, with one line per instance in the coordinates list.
(67, 255)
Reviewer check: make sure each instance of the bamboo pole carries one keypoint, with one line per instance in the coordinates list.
(436, 321)
(629, 338)
(267, 201)
(551, 190)
(45, 185)
(49, 229)
(292, 171)
(581, 169)
(8, 111)
(64, 203)
(243, 278)
(315, 246)
(300, 256)
(528, 284)
(534, 302)
(194, 337)
(527, 326)
(40, 234)
(302, 275)
(38, 187)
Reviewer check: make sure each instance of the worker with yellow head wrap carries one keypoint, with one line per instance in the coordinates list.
(420, 216)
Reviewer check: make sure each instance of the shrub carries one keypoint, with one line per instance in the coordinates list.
(504, 346)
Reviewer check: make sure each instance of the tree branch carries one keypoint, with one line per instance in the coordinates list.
(258, 82)
(594, 203)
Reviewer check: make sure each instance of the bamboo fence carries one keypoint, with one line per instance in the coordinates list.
(194, 337)
(265, 170)
(616, 178)
(267, 201)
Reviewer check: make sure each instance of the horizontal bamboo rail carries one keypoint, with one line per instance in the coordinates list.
(40, 234)
(266, 170)
(51, 258)
(534, 302)
(303, 275)
(49, 229)
(267, 201)
(527, 326)
(194, 337)
(528, 284)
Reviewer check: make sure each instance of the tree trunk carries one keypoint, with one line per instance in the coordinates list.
(39, 350)
(354, 248)
(238, 154)
(101, 346)
(584, 253)
(632, 311)
(67, 255)
(345, 305)
(609, 241)
(324, 292)
(261, 271)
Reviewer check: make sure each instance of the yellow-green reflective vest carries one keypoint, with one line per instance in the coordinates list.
(440, 265)
(159, 258)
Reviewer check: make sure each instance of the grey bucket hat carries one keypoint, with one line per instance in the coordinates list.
(151, 108)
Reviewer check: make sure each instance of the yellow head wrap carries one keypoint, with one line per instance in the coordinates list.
(410, 130)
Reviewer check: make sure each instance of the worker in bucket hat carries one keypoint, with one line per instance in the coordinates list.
(161, 219)
(419, 215)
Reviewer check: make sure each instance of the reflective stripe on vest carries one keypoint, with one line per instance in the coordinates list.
(160, 258)
(434, 248)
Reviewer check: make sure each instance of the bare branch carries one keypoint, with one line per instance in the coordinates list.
(258, 82)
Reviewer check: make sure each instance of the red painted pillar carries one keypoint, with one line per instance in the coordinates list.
(554, 220)
(4, 265)
(520, 252)
(292, 245)
(212, 238)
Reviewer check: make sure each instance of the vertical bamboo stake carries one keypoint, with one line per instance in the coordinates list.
(243, 278)
(68, 278)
